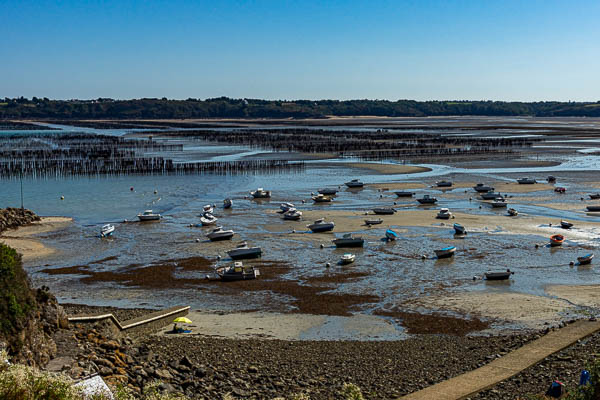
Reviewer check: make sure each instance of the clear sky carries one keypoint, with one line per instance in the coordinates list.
(482, 49)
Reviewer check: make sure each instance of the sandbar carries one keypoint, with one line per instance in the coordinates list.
(23, 239)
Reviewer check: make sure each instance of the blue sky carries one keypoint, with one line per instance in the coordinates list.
(487, 49)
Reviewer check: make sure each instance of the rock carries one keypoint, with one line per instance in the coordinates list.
(186, 361)
(110, 345)
(163, 374)
(252, 369)
(105, 371)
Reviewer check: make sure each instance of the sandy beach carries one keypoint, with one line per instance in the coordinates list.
(388, 169)
(24, 240)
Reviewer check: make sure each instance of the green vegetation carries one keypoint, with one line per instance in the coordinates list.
(224, 107)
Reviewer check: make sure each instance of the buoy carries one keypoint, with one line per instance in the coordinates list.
(293, 231)
(218, 257)
(197, 240)
(327, 265)
(550, 224)
(423, 257)
(131, 188)
(312, 193)
(479, 207)
(537, 245)
(395, 203)
(124, 220)
(470, 199)
(381, 196)
(322, 246)
(474, 278)
(571, 263)
(155, 191)
(303, 201)
(62, 197)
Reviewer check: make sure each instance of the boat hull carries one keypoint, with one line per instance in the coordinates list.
(221, 236)
(445, 253)
(384, 211)
(497, 276)
(244, 254)
(321, 228)
(585, 259)
(404, 194)
(349, 242)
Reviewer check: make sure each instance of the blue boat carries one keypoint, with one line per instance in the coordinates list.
(585, 259)
(459, 229)
(391, 235)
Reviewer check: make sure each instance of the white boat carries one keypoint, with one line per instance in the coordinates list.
(354, 183)
(499, 203)
(148, 215)
(107, 230)
(237, 272)
(347, 258)
(260, 193)
(321, 198)
(227, 203)
(207, 209)
(445, 252)
(220, 234)
(243, 251)
(208, 219)
(444, 213)
(284, 207)
(349, 241)
(321, 226)
(292, 215)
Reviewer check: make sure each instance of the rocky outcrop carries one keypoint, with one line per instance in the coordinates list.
(15, 217)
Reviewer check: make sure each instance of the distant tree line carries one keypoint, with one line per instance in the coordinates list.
(224, 107)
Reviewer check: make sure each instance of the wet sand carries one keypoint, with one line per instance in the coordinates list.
(581, 295)
(388, 169)
(24, 240)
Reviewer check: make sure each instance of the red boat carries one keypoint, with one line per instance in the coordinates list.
(556, 240)
(560, 189)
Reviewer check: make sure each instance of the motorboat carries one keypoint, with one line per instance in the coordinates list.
(444, 213)
(593, 208)
(107, 230)
(207, 209)
(349, 241)
(220, 234)
(243, 251)
(481, 188)
(328, 191)
(566, 224)
(237, 272)
(384, 211)
(373, 221)
(499, 203)
(148, 215)
(292, 215)
(347, 258)
(427, 199)
(526, 181)
(446, 252)
(443, 184)
(391, 234)
(556, 240)
(260, 193)
(227, 203)
(459, 229)
(594, 196)
(354, 183)
(585, 259)
(208, 219)
(551, 179)
(285, 207)
(321, 226)
(321, 198)
(560, 189)
(490, 195)
(512, 212)
(498, 276)
(404, 194)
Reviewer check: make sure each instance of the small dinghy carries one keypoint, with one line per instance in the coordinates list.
(220, 234)
(260, 193)
(347, 258)
(427, 199)
(373, 221)
(292, 215)
(594, 196)
(593, 208)
(207, 209)
(107, 230)
(446, 252)
(566, 225)
(384, 211)
(243, 251)
(560, 189)
(208, 219)
(459, 229)
(227, 203)
(237, 272)
(556, 240)
(499, 203)
(321, 198)
(354, 183)
(481, 188)
(490, 195)
(443, 184)
(551, 179)
(585, 259)
(285, 207)
(444, 213)
(328, 191)
(148, 215)
(498, 276)
(512, 212)
(404, 194)
(321, 226)
(391, 235)
(526, 181)
(349, 241)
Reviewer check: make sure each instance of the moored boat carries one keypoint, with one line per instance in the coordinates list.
(284, 207)
(481, 188)
(526, 181)
(459, 229)
(207, 209)
(347, 258)
(560, 189)
(427, 199)
(243, 251)
(227, 203)
(583, 260)
(445, 252)
(512, 212)
(551, 179)
(594, 196)
(107, 230)
(148, 215)
(404, 194)
(443, 184)
(237, 272)
(321, 198)
(260, 193)
(566, 224)
(499, 203)
(321, 226)
(390, 234)
(328, 191)
(593, 208)
(498, 276)
(292, 215)
(556, 240)
(354, 183)
(490, 195)
(208, 219)
(220, 234)
(373, 221)
(444, 213)
(384, 210)
(348, 240)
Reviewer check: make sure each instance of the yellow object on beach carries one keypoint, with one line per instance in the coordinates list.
(182, 320)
